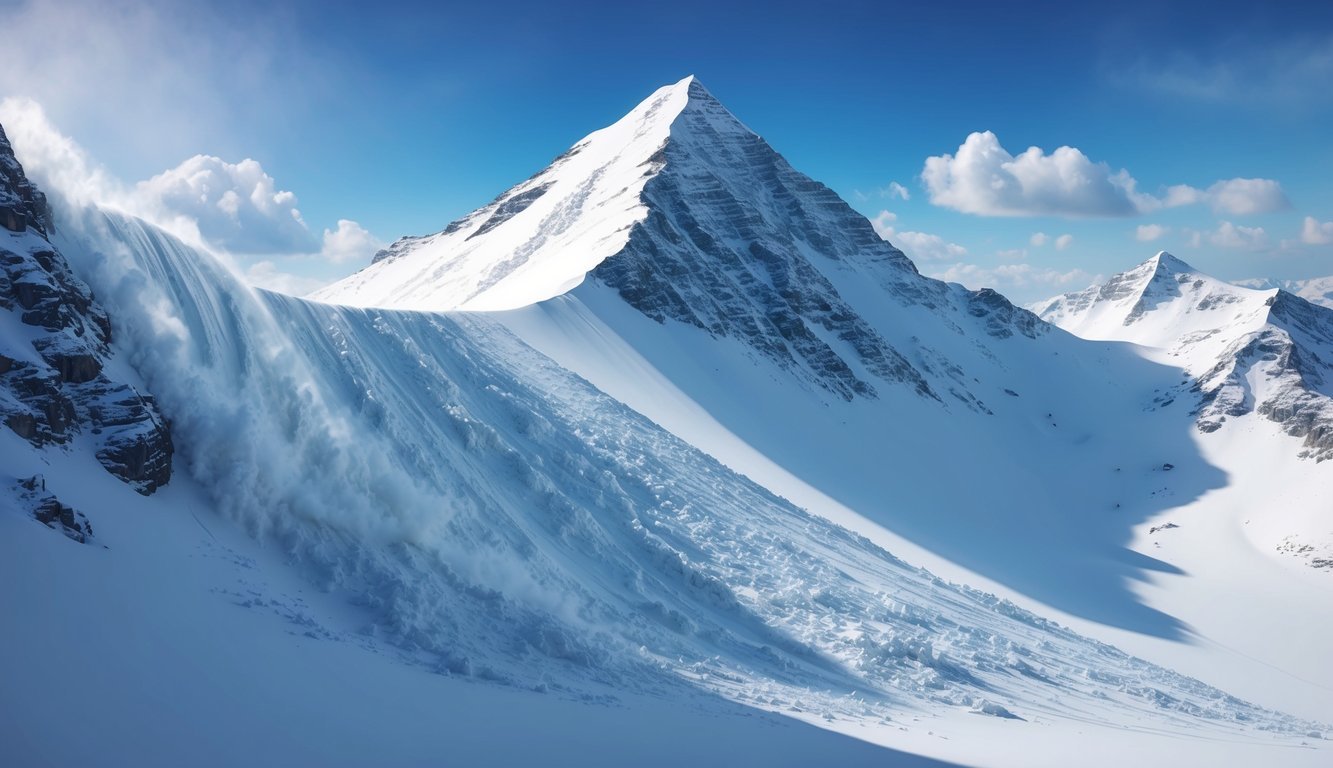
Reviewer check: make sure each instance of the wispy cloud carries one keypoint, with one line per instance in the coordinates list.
(1295, 72)
(1008, 277)
(157, 80)
(919, 246)
(1229, 235)
(1146, 233)
(1316, 232)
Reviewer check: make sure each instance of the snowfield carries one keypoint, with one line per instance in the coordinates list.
(620, 469)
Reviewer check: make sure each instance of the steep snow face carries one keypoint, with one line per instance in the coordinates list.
(1246, 350)
(503, 518)
(540, 238)
(692, 218)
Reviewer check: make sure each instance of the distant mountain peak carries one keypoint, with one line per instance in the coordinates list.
(1249, 350)
(1165, 262)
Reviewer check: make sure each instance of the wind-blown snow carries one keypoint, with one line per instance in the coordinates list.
(605, 487)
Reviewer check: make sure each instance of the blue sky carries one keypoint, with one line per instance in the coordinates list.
(400, 118)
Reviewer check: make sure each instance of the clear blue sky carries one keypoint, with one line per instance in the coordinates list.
(402, 117)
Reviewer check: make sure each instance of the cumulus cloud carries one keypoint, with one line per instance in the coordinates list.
(983, 178)
(919, 246)
(1146, 233)
(1040, 239)
(897, 190)
(235, 207)
(1315, 232)
(350, 242)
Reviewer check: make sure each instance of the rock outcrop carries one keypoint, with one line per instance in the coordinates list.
(54, 384)
(45, 508)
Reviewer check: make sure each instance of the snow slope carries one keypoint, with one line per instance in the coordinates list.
(1246, 350)
(757, 317)
(620, 497)
(492, 516)
(536, 240)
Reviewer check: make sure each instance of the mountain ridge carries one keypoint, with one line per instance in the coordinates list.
(715, 230)
(1247, 350)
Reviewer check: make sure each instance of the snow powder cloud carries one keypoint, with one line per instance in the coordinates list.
(233, 209)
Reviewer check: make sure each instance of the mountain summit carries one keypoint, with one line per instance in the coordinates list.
(689, 216)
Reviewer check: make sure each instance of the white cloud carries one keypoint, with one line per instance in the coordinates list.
(883, 222)
(350, 242)
(1013, 276)
(1040, 239)
(1146, 233)
(1241, 197)
(1228, 235)
(919, 246)
(897, 190)
(234, 207)
(983, 178)
(1315, 232)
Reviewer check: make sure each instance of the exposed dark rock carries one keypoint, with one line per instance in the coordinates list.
(46, 509)
(510, 206)
(707, 256)
(22, 205)
(63, 390)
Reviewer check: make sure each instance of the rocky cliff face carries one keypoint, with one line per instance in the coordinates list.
(55, 345)
(726, 247)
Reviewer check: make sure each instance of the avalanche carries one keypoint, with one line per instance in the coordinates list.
(656, 475)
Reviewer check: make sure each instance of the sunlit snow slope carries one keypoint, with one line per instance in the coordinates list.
(756, 316)
(1246, 354)
(501, 518)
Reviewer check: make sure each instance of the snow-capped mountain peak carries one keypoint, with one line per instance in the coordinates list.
(540, 238)
(690, 217)
(1247, 350)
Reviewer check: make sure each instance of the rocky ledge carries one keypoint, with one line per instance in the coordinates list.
(55, 346)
